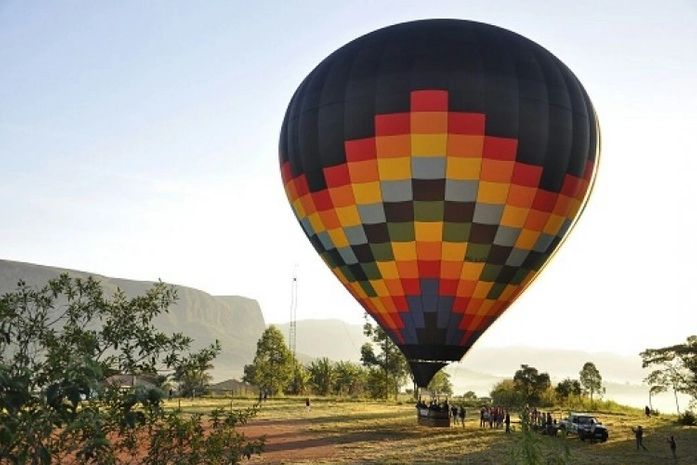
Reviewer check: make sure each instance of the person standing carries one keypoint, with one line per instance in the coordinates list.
(462, 413)
(308, 406)
(508, 422)
(639, 435)
(673, 446)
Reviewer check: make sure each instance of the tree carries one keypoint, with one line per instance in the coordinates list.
(349, 379)
(590, 378)
(192, 374)
(59, 346)
(506, 393)
(568, 387)
(300, 380)
(321, 376)
(676, 367)
(389, 360)
(273, 365)
(531, 384)
(440, 384)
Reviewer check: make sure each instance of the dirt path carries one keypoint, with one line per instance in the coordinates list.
(288, 441)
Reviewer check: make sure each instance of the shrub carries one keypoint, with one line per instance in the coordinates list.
(688, 419)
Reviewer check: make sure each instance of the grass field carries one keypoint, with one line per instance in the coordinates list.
(365, 432)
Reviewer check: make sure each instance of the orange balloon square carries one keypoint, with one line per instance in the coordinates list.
(393, 146)
(521, 196)
(468, 146)
(428, 250)
(497, 170)
(342, 196)
(364, 171)
(408, 269)
(536, 220)
(429, 122)
(450, 270)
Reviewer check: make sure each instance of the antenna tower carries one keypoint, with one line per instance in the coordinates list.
(292, 328)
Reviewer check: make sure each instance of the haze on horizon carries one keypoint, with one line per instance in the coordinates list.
(140, 141)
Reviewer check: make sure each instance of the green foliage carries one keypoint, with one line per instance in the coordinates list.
(530, 384)
(181, 439)
(590, 378)
(506, 393)
(441, 385)
(300, 380)
(528, 449)
(389, 360)
(59, 346)
(321, 376)
(192, 374)
(568, 387)
(349, 379)
(274, 365)
(688, 418)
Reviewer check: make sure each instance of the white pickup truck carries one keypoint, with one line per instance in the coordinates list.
(585, 425)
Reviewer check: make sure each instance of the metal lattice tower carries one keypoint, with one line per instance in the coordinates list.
(292, 327)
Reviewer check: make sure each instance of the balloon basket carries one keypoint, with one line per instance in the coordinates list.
(432, 418)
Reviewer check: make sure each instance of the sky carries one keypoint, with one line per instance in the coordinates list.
(140, 140)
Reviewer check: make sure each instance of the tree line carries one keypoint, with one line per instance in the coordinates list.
(381, 373)
(531, 387)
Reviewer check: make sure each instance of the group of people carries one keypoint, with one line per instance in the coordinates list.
(494, 417)
(456, 413)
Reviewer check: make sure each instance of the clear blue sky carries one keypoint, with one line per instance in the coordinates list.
(139, 140)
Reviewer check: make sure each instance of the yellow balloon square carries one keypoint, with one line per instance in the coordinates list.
(394, 169)
(404, 251)
(367, 192)
(462, 169)
(424, 145)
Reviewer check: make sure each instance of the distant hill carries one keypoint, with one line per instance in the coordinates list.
(236, 321)
(334, 339)
(339, 340)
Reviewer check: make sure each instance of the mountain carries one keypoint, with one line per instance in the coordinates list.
(236, 321)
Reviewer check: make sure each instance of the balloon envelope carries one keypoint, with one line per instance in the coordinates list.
(436, 166)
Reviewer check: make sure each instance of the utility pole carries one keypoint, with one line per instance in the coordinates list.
(292, 327)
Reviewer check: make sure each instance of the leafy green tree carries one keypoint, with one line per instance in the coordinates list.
(676, 367)
(321, 375)
(470, 396)
(590, 379)
(349, 379)
(506, 393)
(59, 345)
(273, 365)
(531, 384)
(300, 380)
(389, 360)
(193, 374)
(568, 387)
(440, 384)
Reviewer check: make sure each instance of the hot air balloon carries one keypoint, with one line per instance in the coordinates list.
(436, 166)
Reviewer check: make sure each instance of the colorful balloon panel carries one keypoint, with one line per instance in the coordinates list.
(435, 166)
